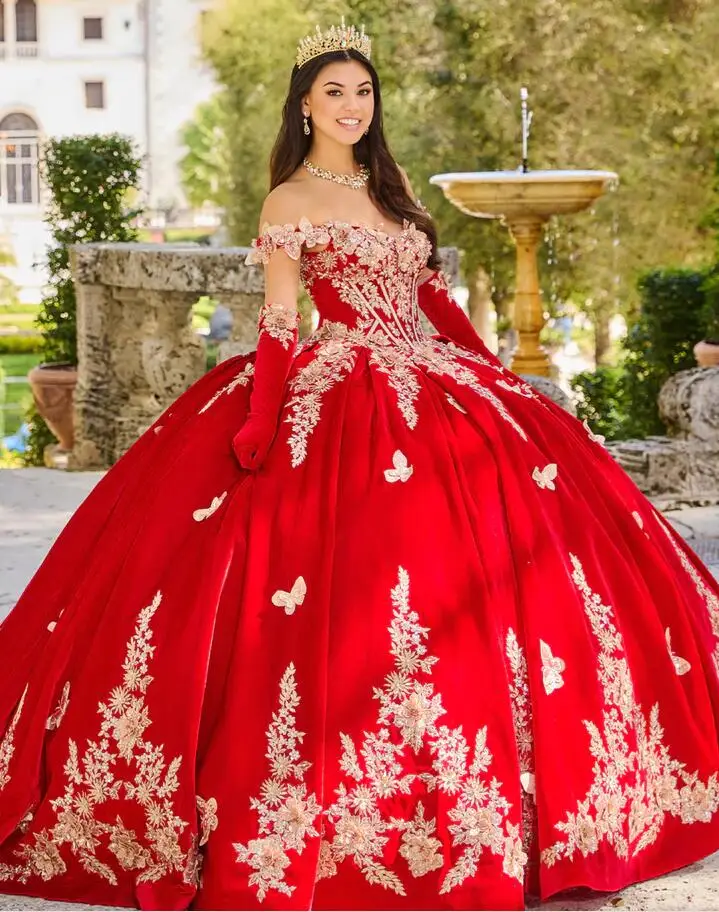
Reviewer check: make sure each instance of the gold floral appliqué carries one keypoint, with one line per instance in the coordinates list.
(409, 710)
(710, 598)
(92, 779)
(206, 512)
(279, 323)
(522, 720)
(7, 745)
(552, 669)
(285, 810)
(59, 714)
(241, 379)
(636, 782)
(207, 812)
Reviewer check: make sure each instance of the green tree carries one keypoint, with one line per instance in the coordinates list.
(205, 163)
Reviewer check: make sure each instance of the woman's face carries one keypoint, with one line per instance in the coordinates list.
(340, 103)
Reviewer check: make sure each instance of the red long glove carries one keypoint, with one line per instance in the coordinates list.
(448, 318)
(276, 347)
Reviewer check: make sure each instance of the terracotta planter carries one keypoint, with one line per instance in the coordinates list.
(707, 353)
(53, 387)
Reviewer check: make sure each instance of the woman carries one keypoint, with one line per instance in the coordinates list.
(363, 622)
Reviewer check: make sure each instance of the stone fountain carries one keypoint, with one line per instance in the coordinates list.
(525, 200)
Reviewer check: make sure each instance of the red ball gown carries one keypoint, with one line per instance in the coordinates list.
(437, 652)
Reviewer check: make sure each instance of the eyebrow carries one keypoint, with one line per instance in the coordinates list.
(341, 86)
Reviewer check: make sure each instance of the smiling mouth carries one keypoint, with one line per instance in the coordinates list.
(349, 123)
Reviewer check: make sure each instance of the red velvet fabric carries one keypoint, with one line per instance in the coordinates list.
(444, 313)
(436, 652)
(276, 344)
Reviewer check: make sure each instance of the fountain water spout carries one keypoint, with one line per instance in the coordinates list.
(525, 200)
(527, 117)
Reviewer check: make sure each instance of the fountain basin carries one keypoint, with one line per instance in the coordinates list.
(520, 195)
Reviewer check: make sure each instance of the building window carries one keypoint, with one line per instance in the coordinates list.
(94, 94)
(92, 29)
(26, 21)
(19, 158)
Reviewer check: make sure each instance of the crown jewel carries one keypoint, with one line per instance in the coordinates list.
(335, 39)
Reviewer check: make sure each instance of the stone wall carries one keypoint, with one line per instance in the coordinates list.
(136, 348)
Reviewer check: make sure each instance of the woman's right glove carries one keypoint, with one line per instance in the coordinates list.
(276, 347)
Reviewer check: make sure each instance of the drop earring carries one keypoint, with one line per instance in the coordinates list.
(306, 127)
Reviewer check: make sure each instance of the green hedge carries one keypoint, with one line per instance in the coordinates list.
(21, 345)
(16, 307)
(622, 402)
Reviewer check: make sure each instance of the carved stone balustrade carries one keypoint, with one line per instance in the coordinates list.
(136, 348)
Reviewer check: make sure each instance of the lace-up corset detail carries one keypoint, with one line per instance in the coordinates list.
(362, 280)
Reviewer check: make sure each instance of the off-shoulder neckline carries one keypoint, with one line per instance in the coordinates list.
(336, 223)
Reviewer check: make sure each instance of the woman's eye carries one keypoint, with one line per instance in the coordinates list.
(334, 92)
(365, 91)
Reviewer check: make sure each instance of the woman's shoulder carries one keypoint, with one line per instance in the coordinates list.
(287, 204)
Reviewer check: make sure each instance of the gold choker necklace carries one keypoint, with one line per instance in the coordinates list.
(355, 181)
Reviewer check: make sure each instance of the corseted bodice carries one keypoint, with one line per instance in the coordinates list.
(366, 279)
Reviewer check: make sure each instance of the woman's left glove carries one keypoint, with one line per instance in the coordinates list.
(434, 297)
(276, 348)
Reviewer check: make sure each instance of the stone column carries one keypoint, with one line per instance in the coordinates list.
(529, 357)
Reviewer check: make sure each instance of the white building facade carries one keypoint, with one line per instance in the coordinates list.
(92, 66)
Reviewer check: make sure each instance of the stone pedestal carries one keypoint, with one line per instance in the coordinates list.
(682, 467)
(136, 348)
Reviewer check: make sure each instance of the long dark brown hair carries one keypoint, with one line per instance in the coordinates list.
(386, 187)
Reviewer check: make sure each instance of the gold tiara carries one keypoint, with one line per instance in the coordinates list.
(336, 39)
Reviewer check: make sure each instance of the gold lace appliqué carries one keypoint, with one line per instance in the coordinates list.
(292, 599)
(289, 238)
(242, 379)
(552, 669)
(58, 715)
(279, 323)
(408, 712)
(522, 719)
(545, 478)
(286, 812)
(92, 780)
(207, 812)
(331, 364)
(636, 782)
(206, 512)
(401, 470)
(7, 745)
(710, 598)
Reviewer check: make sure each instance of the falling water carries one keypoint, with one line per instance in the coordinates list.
(527, 117)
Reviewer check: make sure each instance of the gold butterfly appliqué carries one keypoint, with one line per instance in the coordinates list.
(402, 470)
(291, 600)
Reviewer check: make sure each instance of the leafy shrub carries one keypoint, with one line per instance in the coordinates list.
(622, 402)
(89, 179)
(600, 400)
